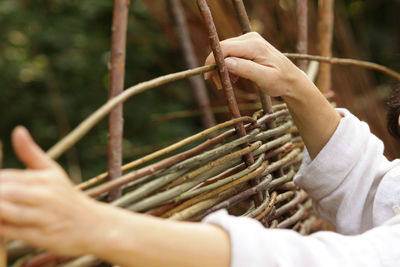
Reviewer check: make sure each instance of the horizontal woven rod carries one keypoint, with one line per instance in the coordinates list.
(294, 218)
(172, 173)
(268, 208)
(261, 207)
(299, 197)
(167, 162)
(127, 178)
(75, 135)
(163, 163)
(181, 171)
(265, 169)
(222, 182)
(216, 191)
(283, 149)
(200, 207)
(346, 61)
(167, 195)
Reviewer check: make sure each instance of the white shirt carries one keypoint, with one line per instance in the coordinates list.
(354, 187)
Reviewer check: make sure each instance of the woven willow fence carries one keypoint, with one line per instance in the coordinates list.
(245, 165)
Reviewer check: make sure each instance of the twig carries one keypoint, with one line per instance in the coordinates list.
(302, 31)
(117, 78)
(75, 135)
(204, 205)
(218, 190)
(170, 161)
(225, 80)
(188, 163)
(268, 208)
(222, 182)
(261, 207)
(325, 34)
(239, 197)
(294, 218)
(299, 197)
(197, 83)
(347, 61)
(213, 167)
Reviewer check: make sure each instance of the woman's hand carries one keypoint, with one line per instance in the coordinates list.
(41, 207)
(251, 57)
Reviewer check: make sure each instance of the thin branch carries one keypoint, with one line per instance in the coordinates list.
(268, 208)
(239, 197)
(325, 34)
(168, 162)
(225, 79)
(294, 218)
(117, 79)
(302, 31)
(347, 61)
(212, 167)
(86, 125)
(218, 190)
(198, 85)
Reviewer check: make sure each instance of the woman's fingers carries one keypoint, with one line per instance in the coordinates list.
(13, 232)
(29, 152)
(19, 215)
(247, 69)
(18, 193)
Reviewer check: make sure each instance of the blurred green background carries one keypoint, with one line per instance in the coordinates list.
(53, 62)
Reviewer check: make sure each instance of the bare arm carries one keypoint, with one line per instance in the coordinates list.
(41, 207)
(251, 57)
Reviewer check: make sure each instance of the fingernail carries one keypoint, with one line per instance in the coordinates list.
(230, 63)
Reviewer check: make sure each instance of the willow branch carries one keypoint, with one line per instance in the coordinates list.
(196, 82)
(294, 218)
(325, 35)
(117, 78)
(213, 167)
(225, 79)
(85, 126)
(302, 31)
(347, 61)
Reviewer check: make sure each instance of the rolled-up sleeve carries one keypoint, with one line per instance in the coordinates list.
(344, 177)
(253, 245)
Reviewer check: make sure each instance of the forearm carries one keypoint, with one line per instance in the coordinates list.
(130, 239)
(313, 115)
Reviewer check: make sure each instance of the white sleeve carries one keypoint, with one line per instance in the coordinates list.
(253, 246)
(344, 178)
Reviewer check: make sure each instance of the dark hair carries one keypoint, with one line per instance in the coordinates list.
(393, 104)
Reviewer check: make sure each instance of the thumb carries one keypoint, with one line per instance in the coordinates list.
(28, 151)
(247, 69)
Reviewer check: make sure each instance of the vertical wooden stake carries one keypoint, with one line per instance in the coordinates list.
(325, 33)
(3, 242)
(302, 31)
(117, 78)
(197, 83)
(226, 81)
